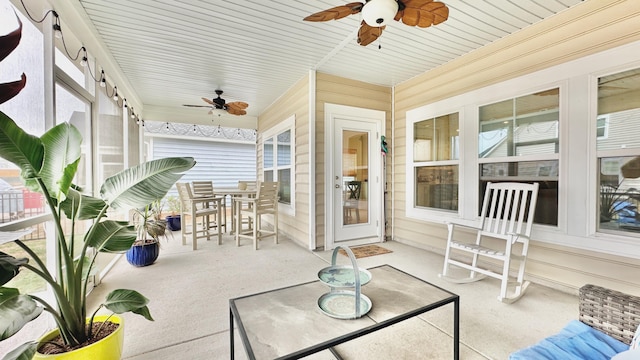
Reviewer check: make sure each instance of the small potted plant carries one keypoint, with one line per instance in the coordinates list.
(149, 228)
(173, 220)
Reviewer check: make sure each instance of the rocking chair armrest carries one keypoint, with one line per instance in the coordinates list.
(517, 236)
(454, 223)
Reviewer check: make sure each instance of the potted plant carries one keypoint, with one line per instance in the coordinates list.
(616, 203)
(149, 228)
(48, 164)
(173, 220)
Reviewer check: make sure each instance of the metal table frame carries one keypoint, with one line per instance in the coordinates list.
(452, 298)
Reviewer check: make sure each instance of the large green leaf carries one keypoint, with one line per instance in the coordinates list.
(87, 269)
(23, 352)
(24, 150)
(9, 267)
(122, 300)
(144, 311)
(81, 207)
(111, 236)
(62, 148)
(145, 183)
(15, 311)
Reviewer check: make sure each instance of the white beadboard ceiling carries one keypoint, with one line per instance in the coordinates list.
(176, 51)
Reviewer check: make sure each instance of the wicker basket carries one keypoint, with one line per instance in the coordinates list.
(612, 312)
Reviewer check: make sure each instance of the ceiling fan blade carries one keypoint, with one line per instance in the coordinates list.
(238, 105)
(206, 106)
(368, 34)
(423, 13)
(336, 13)
(236, 111)
(207, 101)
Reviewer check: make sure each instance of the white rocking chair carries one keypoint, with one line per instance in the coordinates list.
(506, 219)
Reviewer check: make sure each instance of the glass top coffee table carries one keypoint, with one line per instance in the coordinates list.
(287, 323)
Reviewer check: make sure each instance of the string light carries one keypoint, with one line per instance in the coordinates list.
(207, 131)
(83, 62)
(102, 80)
(57, 28)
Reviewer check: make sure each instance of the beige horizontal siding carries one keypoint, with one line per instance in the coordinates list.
(294, 102)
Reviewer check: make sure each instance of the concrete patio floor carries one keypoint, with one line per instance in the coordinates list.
(190, 291)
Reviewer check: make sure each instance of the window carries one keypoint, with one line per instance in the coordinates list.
(278, 155)
(602, 127)
(519, 141)
(110, 139)
(435, 162)
(19, 205)
(619, 152)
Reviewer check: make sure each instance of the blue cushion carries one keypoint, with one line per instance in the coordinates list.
(575, 341)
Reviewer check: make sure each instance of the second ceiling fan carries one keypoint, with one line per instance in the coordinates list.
(377, 13)
(233, 108)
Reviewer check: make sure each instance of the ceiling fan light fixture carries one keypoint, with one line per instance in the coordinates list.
(217, 112)
(378, 13)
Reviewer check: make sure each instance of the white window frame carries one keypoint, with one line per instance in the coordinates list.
(273, 132)
(432, 163)
(423, 213)
(620, 235)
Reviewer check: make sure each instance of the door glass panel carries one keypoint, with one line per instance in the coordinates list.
(355, 175)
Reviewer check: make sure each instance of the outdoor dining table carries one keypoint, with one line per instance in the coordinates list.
(234, 192)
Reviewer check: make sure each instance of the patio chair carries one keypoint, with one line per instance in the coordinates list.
(247, 185)
(506, 219)
(205, 209)
(204, 188)
(352, 202)
(253, 208)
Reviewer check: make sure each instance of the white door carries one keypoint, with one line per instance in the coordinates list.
(354, 182)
